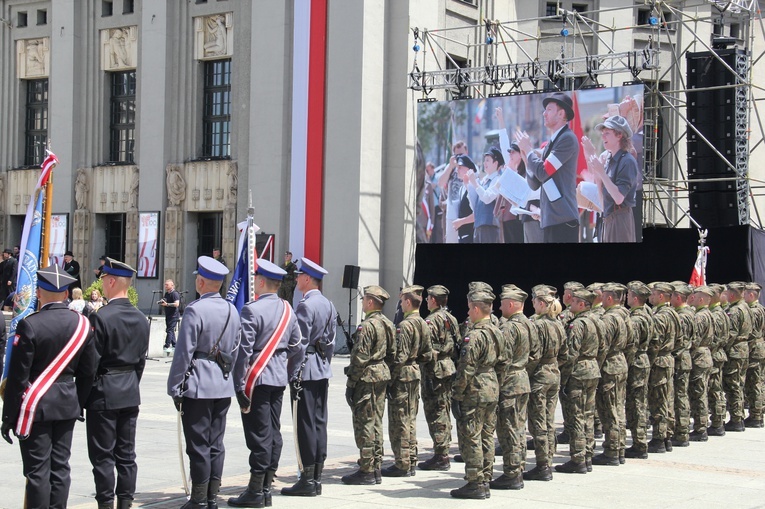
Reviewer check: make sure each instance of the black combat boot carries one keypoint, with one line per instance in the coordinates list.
(563, 437)
(472, 490)
(394, 471)
(359, 478)
(753, 422)
(106, 505)
(680, 442)
(378, 475)
(716, 431)
(506, 482)
(267, 482)
(735, 426)
(437, 462)
(602, 459)
(253, 496)
(572, 467)
(635, 453)
(656, 445)
(306, 485)
(698, 436)
(123, 503)
(317, 469)
(198, 498)
(212, 493)
(458, 458)
(538, 473)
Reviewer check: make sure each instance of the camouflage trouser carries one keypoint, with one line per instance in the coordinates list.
(580, 400)
(660, 402)
(511, 431)
(734, 372)
(368, 409)
(565, 405)
(475, 424)
(611, 396)
(637, 406)
(402, 421)
(437, 402)
(753, 389)
(697, 393)
(682, 405)
(542, 403)
(716, 395)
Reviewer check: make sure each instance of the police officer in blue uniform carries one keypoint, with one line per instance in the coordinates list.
(40, 339)
(270, 337)
(122, 340)
(200, 383)
(317, 319)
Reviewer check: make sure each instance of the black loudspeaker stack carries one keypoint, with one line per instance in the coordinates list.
(712, 114)
(351, 276)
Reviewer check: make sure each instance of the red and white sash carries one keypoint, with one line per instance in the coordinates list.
(40, 386)
(257, 367)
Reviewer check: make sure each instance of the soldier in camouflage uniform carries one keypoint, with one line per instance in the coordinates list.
(413, 347)
(544, 377)
(721, 324)
(737, 350)
(701, 356)
(753, 388)
(514, 388)
(436, 384)
(683, 362)
(583, 344)
(597, 311)
(475, 395)
(566, 317)
(641, 329)
(368, 377)
(660, 391)
(611, 395)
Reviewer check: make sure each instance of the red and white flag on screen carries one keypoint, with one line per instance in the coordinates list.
(699, 275)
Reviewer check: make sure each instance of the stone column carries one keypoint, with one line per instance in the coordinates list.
(229, 241)
(174, 222)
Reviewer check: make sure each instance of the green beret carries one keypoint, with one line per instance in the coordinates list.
(682, 288)
(639, 288)
(512, 292)
(737, 286)
(377, 292)
(413, 289)
(438, 291)
(480, 285)
(705, 290)
(573, 285)
(584, 294)
(756, 287)
(595, 287)
(661, 286)
(481, 296)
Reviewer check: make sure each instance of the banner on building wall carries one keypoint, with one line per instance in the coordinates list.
(59, 227)
(148, 243)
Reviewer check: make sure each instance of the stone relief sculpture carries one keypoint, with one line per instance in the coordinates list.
(35, 57)
(176, 186)
(118, 49)
(134, 188)
(233, 183)
(81, 189)
(216, 36)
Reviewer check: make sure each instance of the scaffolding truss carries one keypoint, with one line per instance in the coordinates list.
(502, 62)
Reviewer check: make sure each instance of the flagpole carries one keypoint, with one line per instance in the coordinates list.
(45, 248)
(251, 248)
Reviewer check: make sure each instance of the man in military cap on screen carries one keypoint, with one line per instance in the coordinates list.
(737, 350)
(368, 376)
(122, 340)
(199, 386)
(721, 323)
(753, 388)
(270, 337)
(317, 319)
(413, 347)
(641, 324)
(701, 357)
(437, 374)
(514, 388)
(660, 381)
(42, 397)
(475, 396)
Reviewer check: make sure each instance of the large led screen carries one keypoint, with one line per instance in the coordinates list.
(547, 167)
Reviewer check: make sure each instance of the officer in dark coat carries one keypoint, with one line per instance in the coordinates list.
(122, 340)
(197, 383)
(41, 339)
(317, 319)
(270, 336)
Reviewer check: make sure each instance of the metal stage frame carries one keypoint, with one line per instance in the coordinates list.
(506, 57)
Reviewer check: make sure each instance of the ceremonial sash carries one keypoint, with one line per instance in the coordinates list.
(257, 367)
(40, 386)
